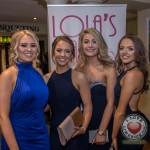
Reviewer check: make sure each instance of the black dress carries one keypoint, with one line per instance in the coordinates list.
(98, 95)
(135, 128)
(63, 99)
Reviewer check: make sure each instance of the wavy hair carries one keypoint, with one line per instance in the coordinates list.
(141, 58)
(66, 39)
(102, 55)
(15, 39)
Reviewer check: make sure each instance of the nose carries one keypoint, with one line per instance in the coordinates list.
(29, 48)
(63, 53)
(90, 44)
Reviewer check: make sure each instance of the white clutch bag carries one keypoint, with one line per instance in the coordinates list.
(66, 128)
(92, 134)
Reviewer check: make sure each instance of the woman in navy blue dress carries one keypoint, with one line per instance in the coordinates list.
(69, 88)
(131, 127)
(22, 101)
(99, 69)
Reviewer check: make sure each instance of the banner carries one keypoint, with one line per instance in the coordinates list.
(70, 20)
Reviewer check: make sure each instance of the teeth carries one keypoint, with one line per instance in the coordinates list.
(124, 57)
(62, 59)
(90, 50)
(28, 54)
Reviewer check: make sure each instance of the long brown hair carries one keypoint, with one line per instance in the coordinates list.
(66, 39)
(141, 58)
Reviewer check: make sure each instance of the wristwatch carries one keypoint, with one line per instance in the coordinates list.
(100, 132)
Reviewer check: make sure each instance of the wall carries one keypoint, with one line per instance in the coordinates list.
(131, 26)
(143, 18)
(144, 104)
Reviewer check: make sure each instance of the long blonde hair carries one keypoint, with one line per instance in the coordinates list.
(15, 39)
(102, 54)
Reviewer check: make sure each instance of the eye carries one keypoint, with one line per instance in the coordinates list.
(121, 48)
(68, 51)
(58, 50)
(33, 45)
(129, 48)
(86, 41)
(94, 41)
(23, 45)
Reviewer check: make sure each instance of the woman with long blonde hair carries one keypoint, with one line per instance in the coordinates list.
(23, 97)
(99, 69)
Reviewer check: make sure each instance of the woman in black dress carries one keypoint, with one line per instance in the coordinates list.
(99, 69)
(68, 88)
(131, 127)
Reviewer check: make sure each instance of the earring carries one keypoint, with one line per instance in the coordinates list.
(99, 56)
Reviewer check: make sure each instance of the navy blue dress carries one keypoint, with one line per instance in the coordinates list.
(98, 95)
(135, 128)
(28, 101)
(63, 99)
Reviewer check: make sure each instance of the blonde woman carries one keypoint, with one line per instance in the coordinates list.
(99, 69)
(23, 96)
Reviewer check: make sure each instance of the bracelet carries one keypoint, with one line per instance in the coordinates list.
(84, 130)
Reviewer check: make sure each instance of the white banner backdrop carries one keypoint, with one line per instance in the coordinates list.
(70, 20)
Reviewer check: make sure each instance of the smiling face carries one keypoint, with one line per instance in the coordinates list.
(27, 49)
(63, 53)
(127, 51)
(90, 47)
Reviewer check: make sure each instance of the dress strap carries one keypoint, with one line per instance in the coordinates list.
(131, 68)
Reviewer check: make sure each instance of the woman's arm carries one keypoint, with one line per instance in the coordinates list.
(6, 89)
(82, 85)
(129, 85)
(110, 84)
(46, 79)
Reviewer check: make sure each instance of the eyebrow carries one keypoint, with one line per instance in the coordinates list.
(88, 39)
(27, 43)
(127, 46)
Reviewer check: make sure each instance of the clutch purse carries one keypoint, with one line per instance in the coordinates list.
(92, 134)
(66, 128)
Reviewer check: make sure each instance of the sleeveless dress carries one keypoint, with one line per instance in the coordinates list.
(98, 95)
(28, 100)
(63, 99)
(135, 128)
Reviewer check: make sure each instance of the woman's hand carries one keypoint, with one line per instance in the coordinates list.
(99, 139)
(79, 130)
(115, 145)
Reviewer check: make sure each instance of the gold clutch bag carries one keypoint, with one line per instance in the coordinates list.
(66, 128)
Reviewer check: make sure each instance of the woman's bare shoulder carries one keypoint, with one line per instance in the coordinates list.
(78, 69)
(47, 76)
(9, 74)
(135, 73)
(78, 75)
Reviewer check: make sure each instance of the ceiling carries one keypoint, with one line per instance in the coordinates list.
(26, 10)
